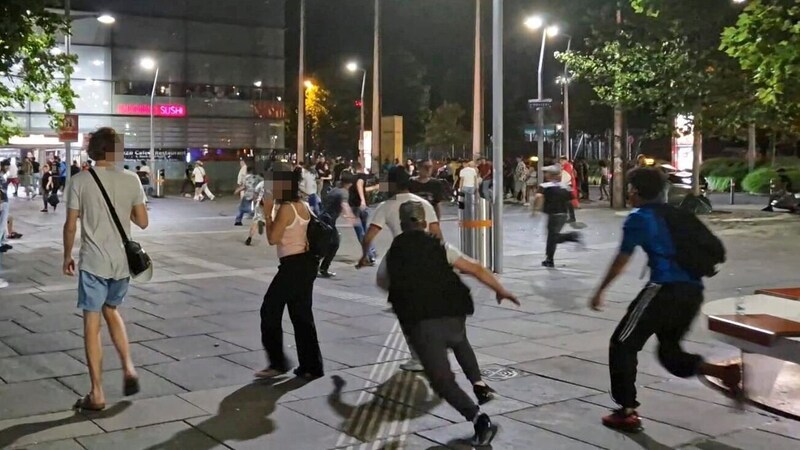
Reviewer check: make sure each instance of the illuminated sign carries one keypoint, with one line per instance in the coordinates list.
(162, 110)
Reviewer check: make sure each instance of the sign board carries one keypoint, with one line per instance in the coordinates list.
(68, 132)
(160, 110)
(143, 154)
(539, 103)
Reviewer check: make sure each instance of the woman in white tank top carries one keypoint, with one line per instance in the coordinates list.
(293, 285)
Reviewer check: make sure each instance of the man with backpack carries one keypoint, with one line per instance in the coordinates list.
(680, 250)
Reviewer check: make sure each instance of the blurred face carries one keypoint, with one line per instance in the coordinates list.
(426, 168)
(282, 185)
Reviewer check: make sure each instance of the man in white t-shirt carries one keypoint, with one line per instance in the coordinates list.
(200, 182)
(468, 178)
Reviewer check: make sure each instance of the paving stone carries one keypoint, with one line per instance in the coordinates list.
(522, 350)
(405, 442)
(328, 331)
(691, 387)
(64, 444)
(188, 347)
(264, 428)
(166, 298)
(513, 435)
(751, 440)
(575, 322)
(203, 373)
(148, 412)
(135, 333)
(256, 360)
(26, 344)
(181, 327)
(249, 339)
(23, 432)
(35, 367)
(256, 395)
(9, 328)
(53, 322)
(151, 385)
(482, 337)
(172, 435)
(539, 391)
(581, 421)
(17, 313)
(784, 427)
(524, 328)
(324, 386)
(173, 311)
(376, 323)
(353, 353)
(683, 412)
(141, 355)
(578, 371)
(6, 351)
(236, 321)
(26, 300)
(34, 397)
(579, 342)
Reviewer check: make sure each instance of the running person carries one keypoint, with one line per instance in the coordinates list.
(553, 199)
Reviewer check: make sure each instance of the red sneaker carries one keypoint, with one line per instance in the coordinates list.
(619, 420)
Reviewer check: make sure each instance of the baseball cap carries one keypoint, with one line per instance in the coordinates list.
(553, 169)
(412, 212)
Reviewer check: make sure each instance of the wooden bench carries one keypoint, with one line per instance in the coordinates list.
(787, 293)
(761, 329)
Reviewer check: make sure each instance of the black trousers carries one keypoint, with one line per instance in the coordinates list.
(292, 287)
(555, 223)
(664, 310)
(431, 338)
(335, 241)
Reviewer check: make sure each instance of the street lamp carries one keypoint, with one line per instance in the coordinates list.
(354, 67)
(148, 64)
(536, 23)
(308, 84)
(565, 80)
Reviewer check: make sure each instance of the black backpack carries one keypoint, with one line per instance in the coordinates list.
(697, 249)
(319, 235)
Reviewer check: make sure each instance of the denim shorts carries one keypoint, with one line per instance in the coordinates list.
(95, 292)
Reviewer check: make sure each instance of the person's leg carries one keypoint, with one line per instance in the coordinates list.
(555, 222)
(363, 221)
(207, 191)
(244, 206)
(463, 351)
(570, 212)
(271, 315)
(92, 293)
(334, 245)
(45, 194)
(117, 290)
(302, 316)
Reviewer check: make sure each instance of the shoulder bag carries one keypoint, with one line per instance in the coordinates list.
(138, 260)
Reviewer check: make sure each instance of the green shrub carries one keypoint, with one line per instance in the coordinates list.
(714, 164)
(718, 184)
(757, 182)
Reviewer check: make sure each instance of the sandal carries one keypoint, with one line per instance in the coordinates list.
(269, 373)
(130, 386)
(308, 376)
(86, 404)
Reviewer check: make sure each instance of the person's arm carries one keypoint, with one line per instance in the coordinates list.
(633, 234)
(538, 201)
(361, 195)
(433, 220)
(139, 216)
(347, 212)
(276, 228)
(70, 229)
(471, 267)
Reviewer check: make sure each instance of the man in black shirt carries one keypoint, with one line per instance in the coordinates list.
(335, 204)
(358, 197)
(432, 304)
(553, 199)
(428, 188)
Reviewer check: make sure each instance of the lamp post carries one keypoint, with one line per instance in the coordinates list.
(497, 133)
(566, 81)
(105, 19)
(535, 23)
(150, 64)
(376, 92)
(301, 93)
(354, 67)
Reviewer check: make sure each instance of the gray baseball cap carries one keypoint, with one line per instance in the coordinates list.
(412, 212)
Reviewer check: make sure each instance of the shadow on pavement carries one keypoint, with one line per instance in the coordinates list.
(14, 433)
(243, 415)
(403, 397)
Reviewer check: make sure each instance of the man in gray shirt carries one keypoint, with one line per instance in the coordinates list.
(103, 274)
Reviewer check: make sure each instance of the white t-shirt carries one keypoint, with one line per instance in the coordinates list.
(388, 213)
(13, 171)
(241, 176)
(101, 252)
(199, 174)
(468, 177)
(308, 185)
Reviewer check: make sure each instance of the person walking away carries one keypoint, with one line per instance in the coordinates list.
(188, 184)
(47, 186)
(357, 199)
(37, 177)
(428, 188)
(468, 178)
(308, 186)
(26, 177)
(12, 176)
(570, 183)
(432, 304)
(62, 173)
(201, 182)
(583, 178)
(74, 169)
(247, 193)
(334, 205)
(665, 307)
(293, 285)
(604, 180)
(553, 199)
(520, 178)
(4, 211)
(103, 275)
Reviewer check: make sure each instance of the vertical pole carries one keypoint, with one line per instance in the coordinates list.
(477, 96)
(697, 154)
(540, 112)
(152, 130)
(567, 136)
(617, 197)
(361, 119)
(68, 49)
(751, 147)
(497, 133)
(376, 91)
(301, 91)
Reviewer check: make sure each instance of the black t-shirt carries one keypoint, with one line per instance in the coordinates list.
(431, 190)
(323, 171)
(46, 179)
(354, 200)
(35, 167)
(74, 170)
(556, 198)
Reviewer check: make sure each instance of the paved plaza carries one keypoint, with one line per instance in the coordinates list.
(195, 338)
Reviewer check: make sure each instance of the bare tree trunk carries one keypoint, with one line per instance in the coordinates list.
(697, 158)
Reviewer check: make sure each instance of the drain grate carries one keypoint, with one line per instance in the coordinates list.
(498, 373)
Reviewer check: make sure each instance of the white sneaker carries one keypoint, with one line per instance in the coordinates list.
(3, 283)
(412, 365)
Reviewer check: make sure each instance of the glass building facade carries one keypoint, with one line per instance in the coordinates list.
(220, 79)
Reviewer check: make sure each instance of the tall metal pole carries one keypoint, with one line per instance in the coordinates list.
(362, 118)
(477, 95)
(68, 49)
(376, 91)
(617, 196)
(567, 137)
(751, 147)
(152, 129)
(497, 133)
(540, 113)
(301, 92)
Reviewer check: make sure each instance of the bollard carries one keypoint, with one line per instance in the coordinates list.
(733, 188)
(475, 226)
(159, 188)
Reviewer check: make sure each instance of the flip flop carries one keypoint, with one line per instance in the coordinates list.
(269, 373)
(130, 386)
(86, 404)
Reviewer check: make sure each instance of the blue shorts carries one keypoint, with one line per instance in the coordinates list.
(95, 292)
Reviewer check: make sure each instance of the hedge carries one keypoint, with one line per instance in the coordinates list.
(757, 182)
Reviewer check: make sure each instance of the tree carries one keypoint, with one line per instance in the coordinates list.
(445, 128)
(30, 69)
(317, 113)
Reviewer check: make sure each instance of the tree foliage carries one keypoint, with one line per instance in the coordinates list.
(317, 113)
(30, 70)
(444, 129)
